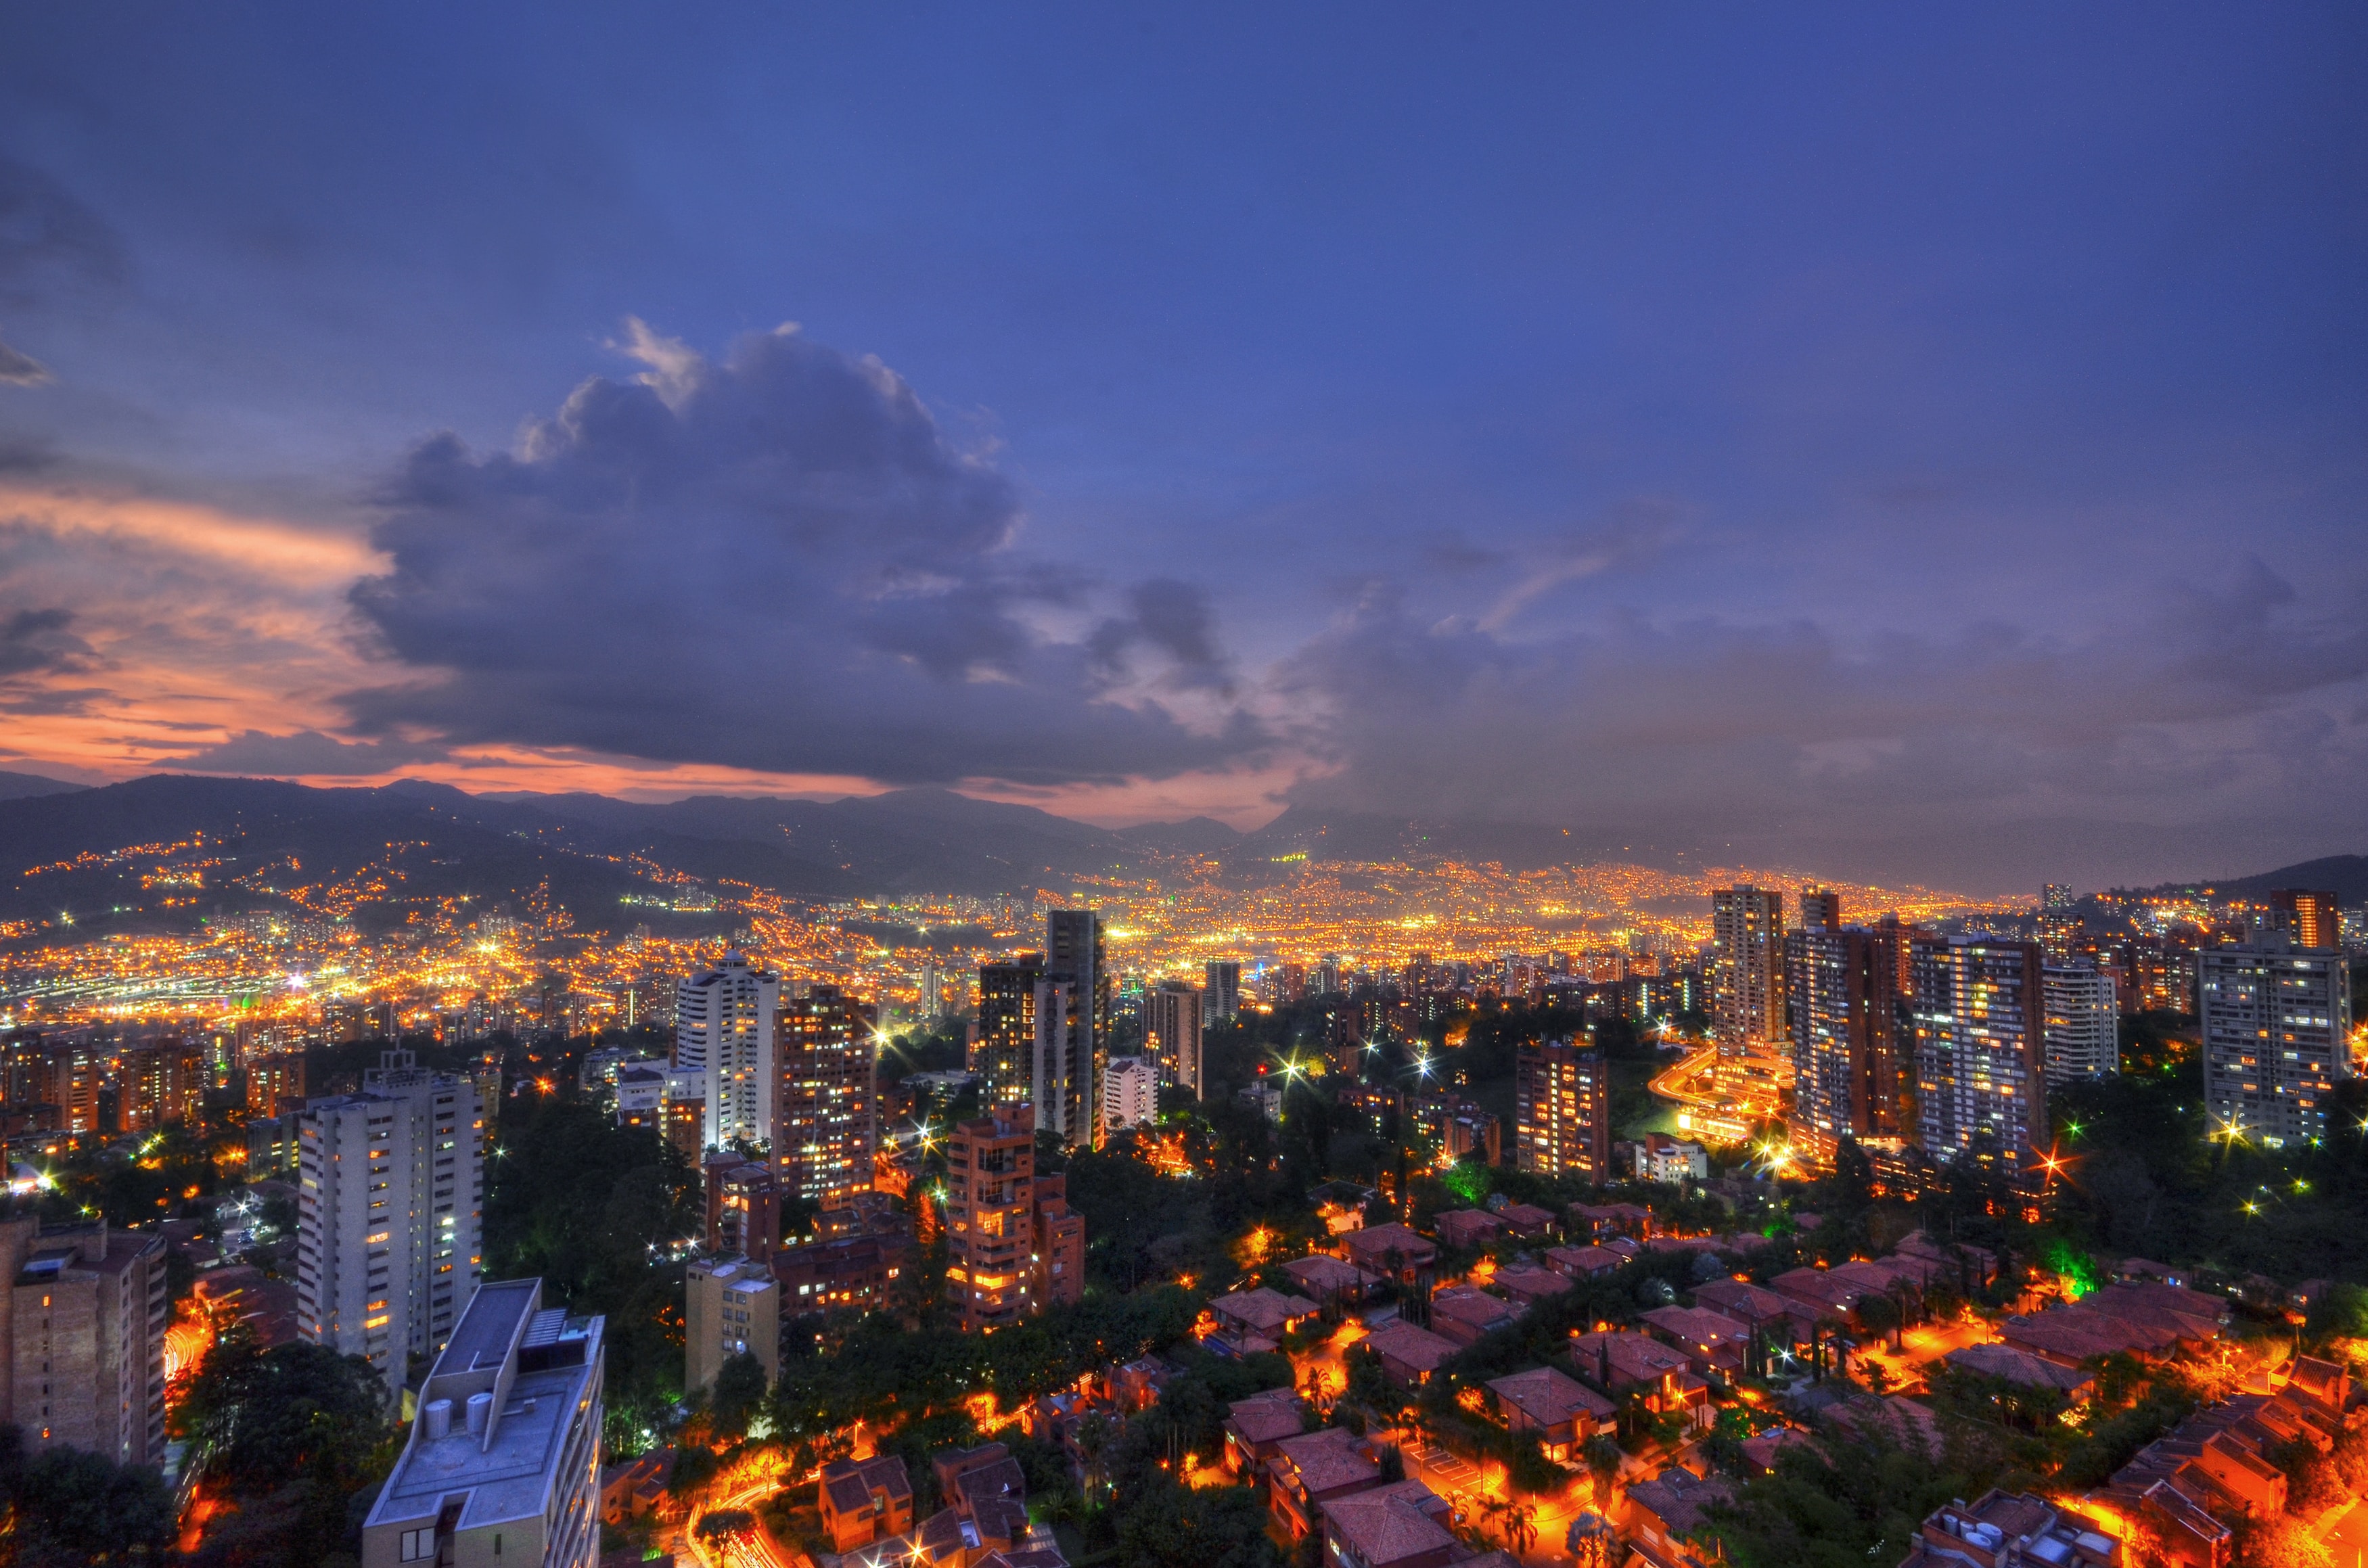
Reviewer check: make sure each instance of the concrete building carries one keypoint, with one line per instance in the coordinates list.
(1013, 1245)
(1845, 1044)
(1746, 974)
(163, 1083)
(825, 1110)
(1175, 1016)
(82, 1339)
(2277, 1024)
(1129, 1093)
(1222, 986)
(2083, 1023)
(1003, 1052)
(744, 1206)
(724, 1020)
(732, 1306)
(1069, 1059)
(275, 1084)
(1562, 1115)
(1979, 1018)
(390, 1212)
(502, 1463)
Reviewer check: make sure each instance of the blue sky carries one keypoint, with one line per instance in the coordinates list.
(1930, 442)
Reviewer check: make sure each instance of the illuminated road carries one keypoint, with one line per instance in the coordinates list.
(742, 1548)
(1721, 1097)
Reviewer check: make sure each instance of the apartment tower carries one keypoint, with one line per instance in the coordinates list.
(389, 1213)
(825, 1114)
(1562, 1115)
(2084, 1024)
(723, 1035)
(1747, 975)
(1980, 1022)
(1173, 1022)
(82, 1339)
(2277, 1023)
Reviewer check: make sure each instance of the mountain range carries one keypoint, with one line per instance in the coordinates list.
(435, 841)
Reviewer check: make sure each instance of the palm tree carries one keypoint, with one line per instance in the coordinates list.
(1521, 1526)
(1093, 1435)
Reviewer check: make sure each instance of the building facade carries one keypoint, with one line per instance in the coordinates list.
(1129, 1093)
(82, 1339)
(1069, 1060)
(503, 1461)
(163, 1084)
(1222, 984)
(732, 1306)
(744, 1206)
(2083, 1023)
(1014, 1247)
(1980, 1056)
(1004, 1055)
(2277, 1024)
(724, 1023)
(825, 1110)
(1562, 1113)
(1844, 1043)
(389, 1213)
(1174, 1019)
(1747, 978)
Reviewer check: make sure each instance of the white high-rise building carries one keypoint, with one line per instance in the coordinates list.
(389, 1213)
(2084, 1024)
(2277, 1022)
(1747, 971)
(723, 1024)
(1130, 1092)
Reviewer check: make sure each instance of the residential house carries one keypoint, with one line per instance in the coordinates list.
(1306, 1472)
(1528, 1220)
(1465, 1316)
(1562, 1411)
(1467, 1228)
(2005, 1528)
(1409, 1354)
(1330, 1280)
(1667, 1515)
(864, 1501)
(1391, 1251)
(1250, 1321)
(1711, 1343)
(631, 1491)
(1620, 1360)
(1583, 1262)
(1403, 1524)
(1527, 1285)
(2013, 1366)
(1600, 1221)
(1256, 1428)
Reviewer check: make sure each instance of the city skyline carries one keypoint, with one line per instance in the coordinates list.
(1713, 444)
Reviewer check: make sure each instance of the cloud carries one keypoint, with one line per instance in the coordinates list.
(775, 561)
(35, 641)
(20, 369)
(306, 754)
(2231, 705)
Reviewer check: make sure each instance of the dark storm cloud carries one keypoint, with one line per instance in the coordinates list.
(1172, 618)
(307, 754)
(773, 561)
(35, 641)
(2228, 706)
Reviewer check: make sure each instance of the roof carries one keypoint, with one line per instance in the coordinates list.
(1390, 1524)
(1678, 1499)
(1525, 1216)
(1416, 1347)
(1477, 1308)
(1324, 1460)
(1326, 1274)
(1699, 1330)
(1746, 1303)
(1267, 1418)
(1549, 1398)
(1262, 1309)
(1373, 1241)
(1632, 1356)
(2017, 1367)
(1583, 1260)
(1532, 1282)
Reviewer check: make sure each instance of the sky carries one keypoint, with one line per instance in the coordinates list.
(1869, 440)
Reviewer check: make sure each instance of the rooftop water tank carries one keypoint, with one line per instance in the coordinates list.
(440, 1417)
(480, 1410)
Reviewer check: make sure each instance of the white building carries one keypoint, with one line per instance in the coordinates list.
(1660, 1157)
(1130, 1092)
(389, 1213)
(2277, 1021)
(723, 1021)
(503, 1464)
(2084, 1024)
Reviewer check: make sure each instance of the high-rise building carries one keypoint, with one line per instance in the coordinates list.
(732, 1306)
(1845, 1039)
(82, 1339)
(2084, 1024)
(503, 1462)
(1325, 979)
(1821, 909)
(723, 1031)
(2277, 1024)
(1172, 1030)
(1562, 1115)
(274, 1081)
(1074, 1044)
(1747, 970)
(1005, 1054)
(1224, 989)
(825, 1110)
(1980, 1063)
(2059, 922)
(1283, 983)
(389, 1213)
(1013, 1247)
(1130, 1092)
(163, 1083)
(744, 1206)
(931, 1002)
(2312, 921)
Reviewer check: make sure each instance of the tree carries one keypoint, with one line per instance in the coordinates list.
(739, 1390)
(1603, 1459)
(723, 1522)
(65, 1508)
(1881, 1315)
